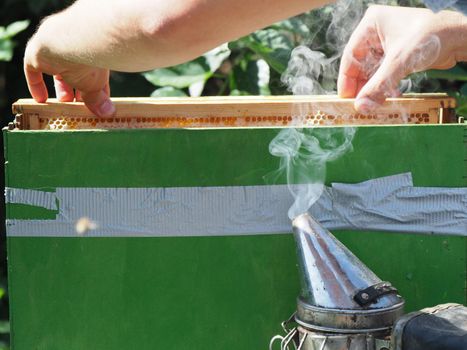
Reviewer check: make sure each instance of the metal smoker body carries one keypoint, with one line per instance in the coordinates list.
(343, 305)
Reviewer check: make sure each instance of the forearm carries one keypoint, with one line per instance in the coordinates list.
(458, 34)
(141, 35)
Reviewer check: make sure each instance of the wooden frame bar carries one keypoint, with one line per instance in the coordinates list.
(250, 111)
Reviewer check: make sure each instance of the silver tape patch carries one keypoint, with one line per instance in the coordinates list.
(385, 204)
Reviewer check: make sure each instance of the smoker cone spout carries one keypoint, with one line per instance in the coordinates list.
(339, 293)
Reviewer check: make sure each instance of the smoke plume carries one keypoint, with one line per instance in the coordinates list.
(304, 152)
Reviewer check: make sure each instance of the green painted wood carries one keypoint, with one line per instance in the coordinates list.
(145, 158)
(226, 292)
(145, 293)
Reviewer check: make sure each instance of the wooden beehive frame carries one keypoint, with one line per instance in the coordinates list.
(251, 111)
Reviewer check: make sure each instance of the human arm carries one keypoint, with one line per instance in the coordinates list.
(80, 44)
(392, 42)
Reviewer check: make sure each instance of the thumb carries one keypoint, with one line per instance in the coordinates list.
(98, 102)
(384, 83)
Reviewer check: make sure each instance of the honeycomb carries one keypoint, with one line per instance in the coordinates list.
(318, 119)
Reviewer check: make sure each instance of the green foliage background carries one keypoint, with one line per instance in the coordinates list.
(249, 66)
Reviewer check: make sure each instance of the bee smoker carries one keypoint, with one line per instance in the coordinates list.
(343, 305)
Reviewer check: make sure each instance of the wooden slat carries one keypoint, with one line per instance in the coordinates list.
(234, 106)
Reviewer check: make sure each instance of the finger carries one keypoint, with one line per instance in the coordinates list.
(382, 84)
(107, 89)
(363, 42)
(347, 86)
(351, 67)
(396, 93)
(36, 85)
(360, 84)
(353, 71)
(99, 103)
(349, 71)
(78, 97)
(63, 91)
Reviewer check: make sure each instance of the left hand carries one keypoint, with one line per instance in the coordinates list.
(72, 81)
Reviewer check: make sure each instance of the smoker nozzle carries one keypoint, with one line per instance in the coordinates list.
(338, 290)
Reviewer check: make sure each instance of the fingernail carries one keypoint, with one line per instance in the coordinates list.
(61, 95)
(106, 109)
(366, 105)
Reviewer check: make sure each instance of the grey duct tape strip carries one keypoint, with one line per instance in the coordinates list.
(189, 211)
(384, 204)
(408, 209)
(47, 200)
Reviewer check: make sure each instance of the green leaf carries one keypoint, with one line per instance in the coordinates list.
(4, 346)
(216, 57)
(272, 46)
(4, 327)
(196, 89)
(264, 77)
(273, 39)
(181, 76)
(6, 49)
(463, 91)
(6, 44)
(277, 59)
(239, 44)
(239, 93)
(461, 97)
(246, 79)
(16, 27)
(294, 25)
(168, 91)
(193, 73)
(456, 73)
(250, 78)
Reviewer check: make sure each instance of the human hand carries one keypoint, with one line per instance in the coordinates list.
(392, 42)
(72, 81)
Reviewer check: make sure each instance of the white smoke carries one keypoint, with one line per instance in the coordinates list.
(304, 152)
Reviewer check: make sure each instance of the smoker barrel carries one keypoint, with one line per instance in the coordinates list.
(332, 279)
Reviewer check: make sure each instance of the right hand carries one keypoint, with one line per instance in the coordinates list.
(392, 42)
(72, 81)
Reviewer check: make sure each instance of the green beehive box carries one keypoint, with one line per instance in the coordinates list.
(144, 291)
